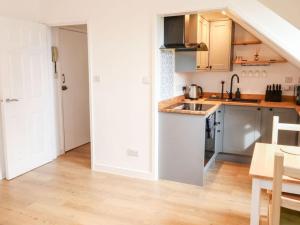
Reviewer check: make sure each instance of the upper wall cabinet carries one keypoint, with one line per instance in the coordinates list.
(220, 56)
(217, 35)
(202, 36)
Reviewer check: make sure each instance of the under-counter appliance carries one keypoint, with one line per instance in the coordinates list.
(297, 94)
(210, 138)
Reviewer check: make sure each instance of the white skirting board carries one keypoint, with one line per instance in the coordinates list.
(146, 175)
(2, 167)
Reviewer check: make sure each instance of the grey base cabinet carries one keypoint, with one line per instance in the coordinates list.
(245, 125)
(285, 116)
(181, 147)
(241, 129)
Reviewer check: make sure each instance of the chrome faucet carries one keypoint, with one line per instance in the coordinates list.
(231, 83)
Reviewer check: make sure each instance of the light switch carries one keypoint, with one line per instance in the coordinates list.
(96, 79)
(146, 80)
(288, 80)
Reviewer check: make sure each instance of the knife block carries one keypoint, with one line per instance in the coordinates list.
(273, 94)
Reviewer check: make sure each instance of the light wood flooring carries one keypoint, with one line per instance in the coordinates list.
(67, 192)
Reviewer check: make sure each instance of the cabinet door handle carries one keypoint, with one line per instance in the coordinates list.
(218, 131)
(8, 100)
(270, 109)
(258, 109)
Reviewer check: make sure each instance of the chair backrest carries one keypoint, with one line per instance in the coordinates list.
(282, 126)
(278, 200)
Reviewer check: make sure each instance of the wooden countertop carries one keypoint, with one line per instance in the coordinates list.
(262, 164)
(163, 105)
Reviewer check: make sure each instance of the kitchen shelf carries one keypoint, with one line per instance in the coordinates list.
(260, 63)
(254, 42)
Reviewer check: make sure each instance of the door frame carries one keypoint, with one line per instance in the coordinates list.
(58, 79)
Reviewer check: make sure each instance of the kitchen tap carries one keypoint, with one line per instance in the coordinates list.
(222, 90)
(231, 83)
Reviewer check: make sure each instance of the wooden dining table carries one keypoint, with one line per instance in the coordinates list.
(261, 171)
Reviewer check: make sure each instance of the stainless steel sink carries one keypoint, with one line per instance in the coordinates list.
(245, 100)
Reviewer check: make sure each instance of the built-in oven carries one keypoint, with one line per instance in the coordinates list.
(210, 137)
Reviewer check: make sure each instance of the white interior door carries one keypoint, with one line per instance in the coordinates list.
(27, 104)
(74, 64)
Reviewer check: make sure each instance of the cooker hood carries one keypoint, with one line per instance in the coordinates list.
(180, 33)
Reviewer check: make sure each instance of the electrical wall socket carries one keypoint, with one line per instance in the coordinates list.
(132, 152)
(288, 80)
(146, 80)
(96, 79)
(288, 87)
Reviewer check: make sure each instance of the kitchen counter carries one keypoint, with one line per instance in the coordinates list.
(163, 105)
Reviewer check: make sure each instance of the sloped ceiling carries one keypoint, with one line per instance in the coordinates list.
(268, 26)
(287, 9)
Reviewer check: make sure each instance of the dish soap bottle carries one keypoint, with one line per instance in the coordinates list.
(238, 94)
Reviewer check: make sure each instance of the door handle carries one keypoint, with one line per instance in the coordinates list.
(8, 100)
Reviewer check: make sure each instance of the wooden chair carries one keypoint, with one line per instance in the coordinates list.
(282, 126)
(290, 214)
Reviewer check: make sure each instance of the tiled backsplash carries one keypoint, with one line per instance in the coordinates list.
(171, 83)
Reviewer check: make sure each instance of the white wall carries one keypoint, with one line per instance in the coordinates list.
(2, 165)
(28, 9)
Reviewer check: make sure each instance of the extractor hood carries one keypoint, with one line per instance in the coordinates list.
(180, 33)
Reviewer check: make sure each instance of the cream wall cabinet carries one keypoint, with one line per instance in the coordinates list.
(217, 35)
(220, 42)
(203, 36)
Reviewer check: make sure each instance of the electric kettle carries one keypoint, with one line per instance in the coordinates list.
(193, 92)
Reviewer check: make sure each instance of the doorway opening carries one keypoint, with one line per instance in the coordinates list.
(71, 67)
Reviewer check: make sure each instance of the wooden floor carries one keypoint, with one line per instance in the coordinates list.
(67, 192)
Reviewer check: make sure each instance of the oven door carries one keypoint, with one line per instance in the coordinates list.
(210, 136)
